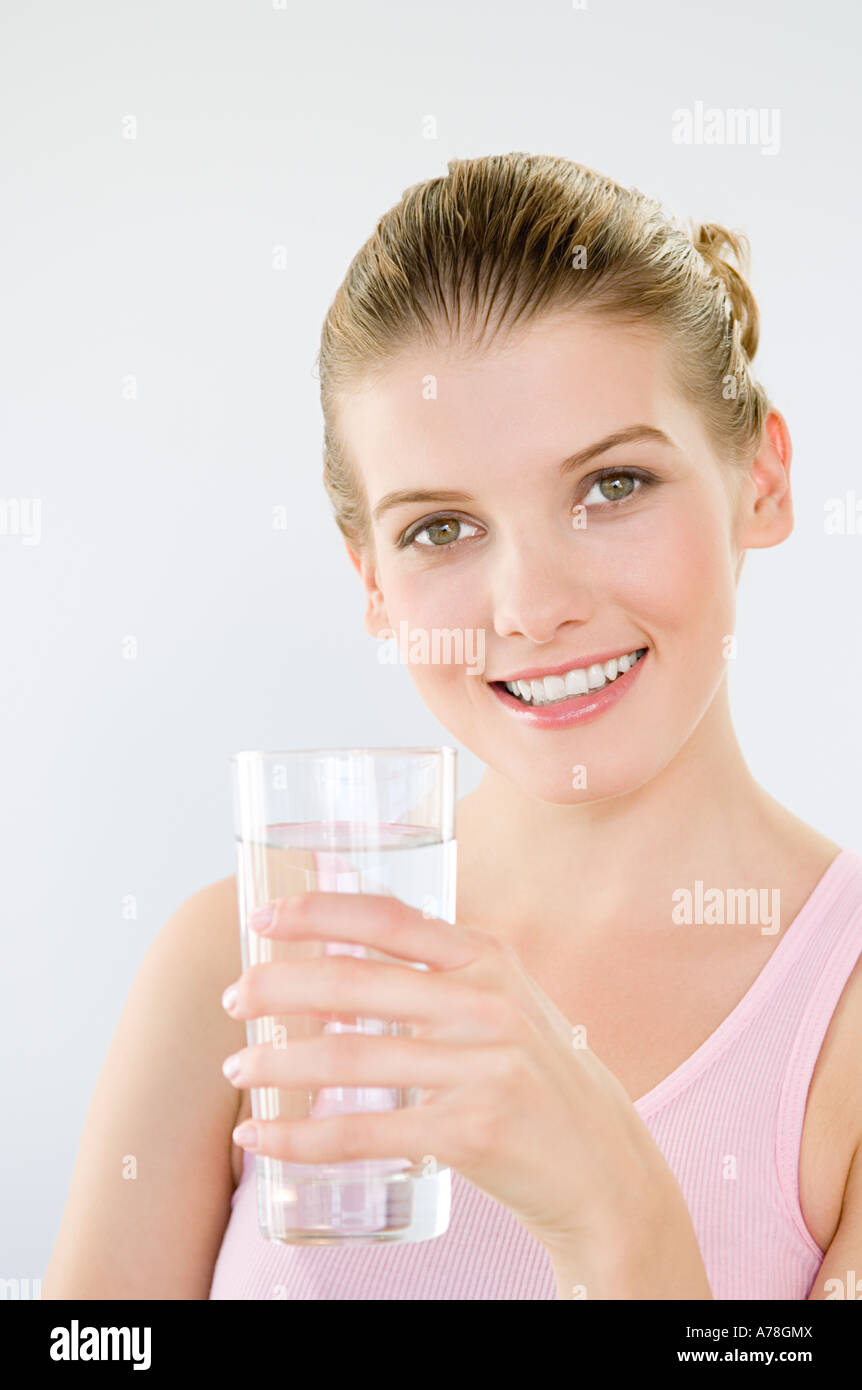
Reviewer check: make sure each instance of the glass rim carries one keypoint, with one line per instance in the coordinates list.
(403, 751)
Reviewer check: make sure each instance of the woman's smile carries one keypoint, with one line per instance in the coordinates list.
(548, 707)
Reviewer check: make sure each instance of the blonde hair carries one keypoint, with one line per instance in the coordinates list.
(502, 239)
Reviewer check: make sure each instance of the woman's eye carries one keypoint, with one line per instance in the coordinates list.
(616, 486)
(442, 531)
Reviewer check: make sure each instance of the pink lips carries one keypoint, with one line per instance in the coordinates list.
(597, 659)
(577, 709)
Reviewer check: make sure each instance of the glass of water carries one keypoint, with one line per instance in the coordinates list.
(345, 820)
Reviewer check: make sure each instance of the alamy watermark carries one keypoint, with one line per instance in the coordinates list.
(842, 516)
(21, 516)
(76, 1343)
(731, 906)
(714, 125)
(436, 646)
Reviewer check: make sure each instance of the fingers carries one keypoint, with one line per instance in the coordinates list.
(336, 985)
(343, 1138)
(379, 920)
(354, 1060)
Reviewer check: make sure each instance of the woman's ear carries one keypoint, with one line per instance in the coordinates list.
(766, 515)
(375, 612)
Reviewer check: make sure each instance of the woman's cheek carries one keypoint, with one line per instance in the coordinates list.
(678, 582)
(685, 602)
(443, 619)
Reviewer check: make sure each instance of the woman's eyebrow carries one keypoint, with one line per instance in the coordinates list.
(634, 434)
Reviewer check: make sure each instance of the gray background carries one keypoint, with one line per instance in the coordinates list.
(296, 127)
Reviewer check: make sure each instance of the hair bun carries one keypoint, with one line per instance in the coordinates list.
(713, 242)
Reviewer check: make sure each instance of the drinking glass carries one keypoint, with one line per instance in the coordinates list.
(345, 820)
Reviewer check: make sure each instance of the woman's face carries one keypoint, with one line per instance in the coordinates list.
(551, 567)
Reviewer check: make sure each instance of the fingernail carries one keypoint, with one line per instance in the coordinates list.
(228, 999)
(246, 1135)
(262, 918)
(230, 1066)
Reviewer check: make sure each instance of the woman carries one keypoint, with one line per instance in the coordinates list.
(541, 425)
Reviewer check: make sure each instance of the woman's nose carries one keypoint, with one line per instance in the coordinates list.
(538, 587)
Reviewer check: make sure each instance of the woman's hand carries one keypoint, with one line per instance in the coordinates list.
(510, 1100)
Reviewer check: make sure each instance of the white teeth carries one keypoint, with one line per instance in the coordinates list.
(578, 681)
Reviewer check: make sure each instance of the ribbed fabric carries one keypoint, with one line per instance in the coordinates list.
(728, 1121)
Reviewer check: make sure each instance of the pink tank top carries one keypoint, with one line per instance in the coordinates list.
(740, 1096)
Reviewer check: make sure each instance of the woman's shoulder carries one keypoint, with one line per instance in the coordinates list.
(838, 1070)
(827, 867)
(207, 924)
(791, 836)
(785, 850)
(214, 910)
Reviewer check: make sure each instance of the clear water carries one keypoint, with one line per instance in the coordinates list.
(364, 1200)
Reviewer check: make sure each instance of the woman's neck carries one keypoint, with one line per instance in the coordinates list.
(525, 862)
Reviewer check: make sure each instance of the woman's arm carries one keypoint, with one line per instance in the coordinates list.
(840, 1273)
(150, 1194)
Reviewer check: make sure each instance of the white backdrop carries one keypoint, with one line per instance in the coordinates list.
(158, 403)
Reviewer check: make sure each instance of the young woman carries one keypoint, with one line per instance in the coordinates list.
(541, 425)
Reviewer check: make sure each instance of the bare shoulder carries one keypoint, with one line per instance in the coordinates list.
(219, 897)
(211, 914)
(839, 1064)
(205, 929)
(150, 1191)
(840, 1059)
(832, 1133)
(836, 1086)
